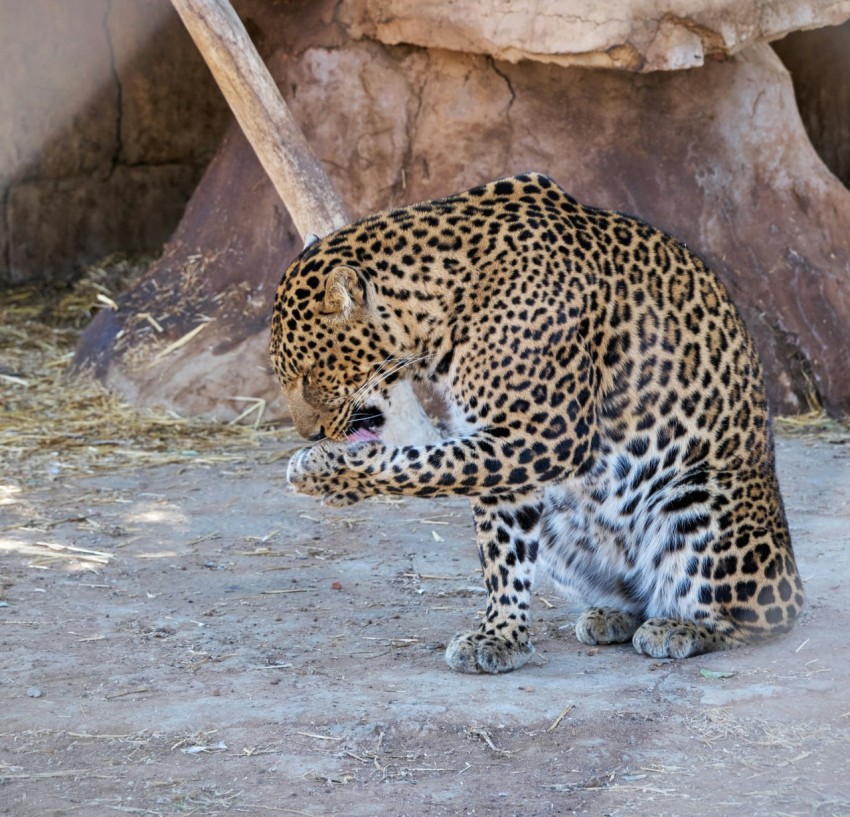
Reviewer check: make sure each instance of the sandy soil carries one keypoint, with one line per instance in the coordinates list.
(230, 648)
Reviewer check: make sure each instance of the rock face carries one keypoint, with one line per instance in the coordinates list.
(635, 35)
(717, 156)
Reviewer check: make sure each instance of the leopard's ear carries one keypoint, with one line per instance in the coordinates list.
(311, 238)
(343, 293)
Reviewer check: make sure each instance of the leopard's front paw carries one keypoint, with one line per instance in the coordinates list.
(322, 470)
(480, 652)
(310, 469)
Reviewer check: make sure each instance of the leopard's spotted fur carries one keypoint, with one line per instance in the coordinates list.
(607, 409)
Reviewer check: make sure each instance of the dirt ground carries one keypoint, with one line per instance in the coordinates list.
(194, 639)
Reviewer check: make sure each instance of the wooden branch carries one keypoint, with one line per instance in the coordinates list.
(308, 193)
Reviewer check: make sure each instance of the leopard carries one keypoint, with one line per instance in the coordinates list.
(605, 413)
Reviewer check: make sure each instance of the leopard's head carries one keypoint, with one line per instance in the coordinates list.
(331, 347)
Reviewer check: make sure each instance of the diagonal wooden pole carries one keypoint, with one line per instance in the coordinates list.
(299, 178)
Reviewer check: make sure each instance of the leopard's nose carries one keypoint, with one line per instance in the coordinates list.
(305, 417)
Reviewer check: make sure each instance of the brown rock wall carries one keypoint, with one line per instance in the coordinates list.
(170, 109)
(57, 109)
(80, 217)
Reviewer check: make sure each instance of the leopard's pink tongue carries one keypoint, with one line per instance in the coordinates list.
(361, 435)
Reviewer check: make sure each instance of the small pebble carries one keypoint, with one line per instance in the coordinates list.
(34, 692)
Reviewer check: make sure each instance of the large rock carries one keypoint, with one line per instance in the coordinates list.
(634, 35)
(217, 272)
(718, 156)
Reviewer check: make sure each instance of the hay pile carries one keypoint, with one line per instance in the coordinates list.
(51, 426)
(817, 424)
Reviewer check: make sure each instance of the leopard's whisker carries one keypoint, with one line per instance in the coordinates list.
(366, 385)
(381, 374)
(371, 379)
(370, 417)
(380, 377)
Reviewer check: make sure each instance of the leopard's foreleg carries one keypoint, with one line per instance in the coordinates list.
(508, 534)
(481, 464)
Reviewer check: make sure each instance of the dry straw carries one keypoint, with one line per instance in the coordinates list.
(53, 426)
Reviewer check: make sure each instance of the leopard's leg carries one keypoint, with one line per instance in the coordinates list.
(656, 637)
(488, 461)
(508, 534)
(744, 586)
(480, 464)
